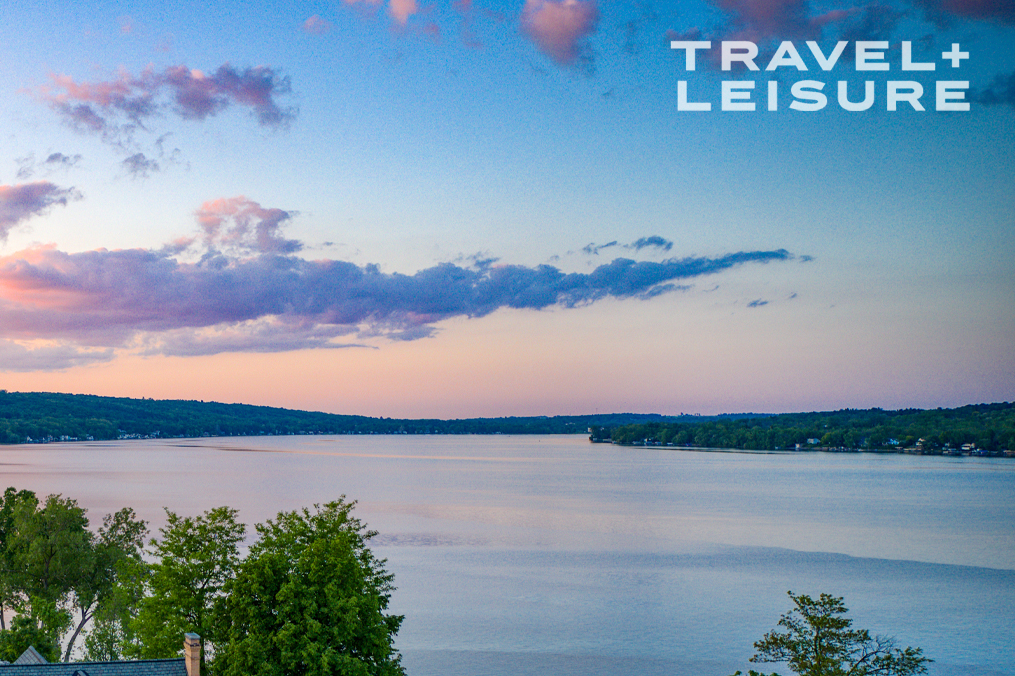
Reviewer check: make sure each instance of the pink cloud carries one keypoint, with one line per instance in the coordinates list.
(123, 104)
(559, 28)
(401, 10)
(315, 25)
(20, 202)
(240, 224)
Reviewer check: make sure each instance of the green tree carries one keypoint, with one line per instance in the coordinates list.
(194, 559)
(10, 570)
(121, 537)
(24, 632)
(114, 632)
(818, 640)
(49, 549)
(49, 546)
(310, 600)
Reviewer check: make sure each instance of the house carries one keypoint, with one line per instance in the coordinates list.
(31, 663)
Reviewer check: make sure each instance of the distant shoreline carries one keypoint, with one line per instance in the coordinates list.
(974, 430)
(819, 449)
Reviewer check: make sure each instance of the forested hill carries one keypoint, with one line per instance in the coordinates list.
(27, 417)
(40, 416)
(978, 429)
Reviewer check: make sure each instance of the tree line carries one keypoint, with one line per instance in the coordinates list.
(989, 428)
(27, 417)
(308, 598)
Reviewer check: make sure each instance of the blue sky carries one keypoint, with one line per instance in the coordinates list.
(407, 209)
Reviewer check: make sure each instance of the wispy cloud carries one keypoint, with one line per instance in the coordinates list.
(140, 166)
(61, 160)
(118, 107)
(560, 29)
(15, 357)
(650, 242)
(593, 249)
(315, 25)
(27, 165)
(22, 201)
(653, 241)
(236, 286)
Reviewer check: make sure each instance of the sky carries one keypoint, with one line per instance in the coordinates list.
(490, 207)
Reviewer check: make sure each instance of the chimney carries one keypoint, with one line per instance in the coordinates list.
(192, 654)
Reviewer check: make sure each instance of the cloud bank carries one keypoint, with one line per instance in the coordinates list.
(244, 290)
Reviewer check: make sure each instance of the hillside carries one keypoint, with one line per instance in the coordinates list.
(41, 416)
(986, 429)
(31, 417)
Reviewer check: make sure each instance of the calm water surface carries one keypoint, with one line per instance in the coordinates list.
(549, 555)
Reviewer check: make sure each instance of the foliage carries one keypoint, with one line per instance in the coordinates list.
(24, 632)
(43, 416)
(49, 547)
(113, 635)
(10, 589)
(120, 539)
(195, 558)
(818, 640)
(989, 427)
(309, 600)
(51, 564)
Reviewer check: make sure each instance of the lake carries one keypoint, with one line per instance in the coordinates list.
(519, 555)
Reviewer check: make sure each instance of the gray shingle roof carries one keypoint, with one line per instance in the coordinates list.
(30, 656)
(173, 667)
